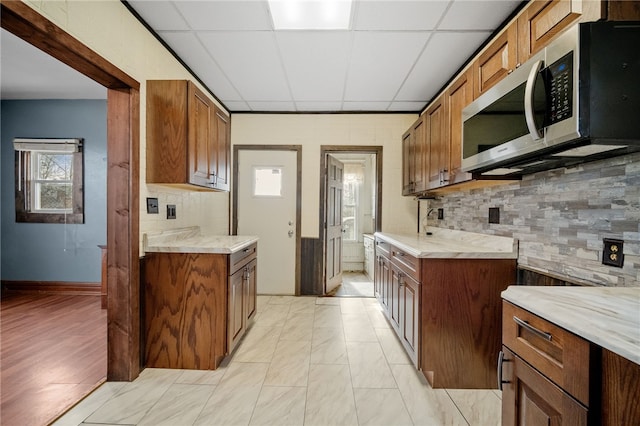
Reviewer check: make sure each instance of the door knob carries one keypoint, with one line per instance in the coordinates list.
(290, 233)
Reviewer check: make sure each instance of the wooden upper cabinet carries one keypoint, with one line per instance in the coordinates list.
(541, 21)
(188, 138)
(414, 157)
(437, 142)
(458, 96)
(498, 60)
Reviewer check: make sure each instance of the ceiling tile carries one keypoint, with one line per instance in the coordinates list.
(225, 15)
(365, 106)
(380, 62)
(189, 48)
(271, 106)
(315, 63)
(160, 15)
(407, 106)
(477, 15)
(251, 61)
(436, 64)
(319, 106)
(237, 106)
(398, 15)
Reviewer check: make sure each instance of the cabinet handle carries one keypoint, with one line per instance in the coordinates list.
(246, 250)
(399, 253)
(501, 360)
(537, 332)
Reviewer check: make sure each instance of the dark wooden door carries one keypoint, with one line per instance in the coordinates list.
(251, 293)
(236, 309)
(410, 315)
(221, 156)
(394, 302)
(531, 399)
(335, 172)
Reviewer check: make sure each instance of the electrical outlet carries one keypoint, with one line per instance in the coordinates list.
(494, 215)
(152, 206)
(612, 254)
(440, 214)
(171, 211)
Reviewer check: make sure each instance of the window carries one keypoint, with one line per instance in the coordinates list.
(49, 180)
(267, 181)
(353, 178)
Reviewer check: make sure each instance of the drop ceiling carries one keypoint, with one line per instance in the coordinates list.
(396, 55)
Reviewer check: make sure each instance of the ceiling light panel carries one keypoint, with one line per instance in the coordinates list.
(436, 64)
(398, 15)
(380, 60)
(251, 61)
(310, 14)
(223, 15)
(188, 47)
(315, 63)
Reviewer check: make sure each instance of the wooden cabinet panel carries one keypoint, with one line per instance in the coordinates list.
(560, 355)
(188, 136)
(458, 96)
(414, 155)
(496, 62)
(410, 316)
(251, 288)
(530, 399)
(620, 390)
(185, 310)
(541, 21)
(395, 302)
(236, 309)
(438, 144)
(460, 320)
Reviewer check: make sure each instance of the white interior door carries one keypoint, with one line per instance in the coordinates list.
(267, 208)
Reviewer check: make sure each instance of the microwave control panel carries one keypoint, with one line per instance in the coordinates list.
(559, 83)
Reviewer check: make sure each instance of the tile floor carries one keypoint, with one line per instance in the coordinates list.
(355, 284)
(305, 361)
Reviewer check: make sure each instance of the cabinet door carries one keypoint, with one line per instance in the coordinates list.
(541, 21)
(221, 153)
(437, 143)
(420, 156)
(410, 315)
(408, 148)
(496, 62)
(530, 399)
(200, 137)
(458, 96)
(394, 302)
(251, 286)
(236, 309)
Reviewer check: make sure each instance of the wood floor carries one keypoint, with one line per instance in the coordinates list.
(53, 353)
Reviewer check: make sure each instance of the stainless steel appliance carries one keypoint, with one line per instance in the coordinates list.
(574, 101)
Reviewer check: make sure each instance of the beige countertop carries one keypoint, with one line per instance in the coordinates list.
(606, 316)
(189, 240)
(447, 243)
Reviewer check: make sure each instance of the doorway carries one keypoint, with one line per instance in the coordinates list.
(266, 203)
(358, 208)
(123, 169)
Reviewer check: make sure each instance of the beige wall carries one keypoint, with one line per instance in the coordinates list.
(113, 32)
(313, 130)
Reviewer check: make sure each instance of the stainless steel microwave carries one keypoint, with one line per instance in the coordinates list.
(576, 100)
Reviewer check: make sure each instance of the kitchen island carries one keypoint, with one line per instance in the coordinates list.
(572, 353)
(440, 291)
(199, 296)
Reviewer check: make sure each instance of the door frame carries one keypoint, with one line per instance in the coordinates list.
(234, 208)
(325, 150)
(123, 178)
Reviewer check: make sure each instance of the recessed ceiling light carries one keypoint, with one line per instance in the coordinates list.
(310, 14)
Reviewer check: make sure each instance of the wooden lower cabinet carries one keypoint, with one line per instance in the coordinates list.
(445, 312)
(531, 399)
(196, 307)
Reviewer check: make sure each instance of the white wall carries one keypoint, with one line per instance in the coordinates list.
(108, 28)
(313, 130)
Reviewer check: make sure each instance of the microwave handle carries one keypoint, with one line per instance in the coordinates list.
(528, 100)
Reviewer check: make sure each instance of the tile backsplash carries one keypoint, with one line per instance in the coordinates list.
(560, 218)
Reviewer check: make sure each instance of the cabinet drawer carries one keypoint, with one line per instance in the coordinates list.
(557, 353)
(406, 263)
(241, 257)
(383, 248)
